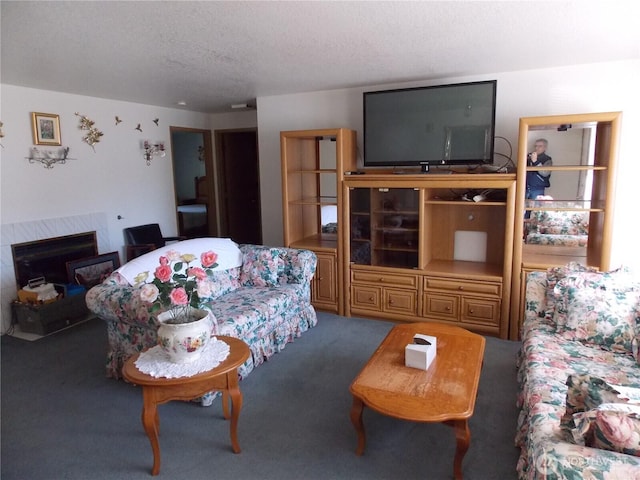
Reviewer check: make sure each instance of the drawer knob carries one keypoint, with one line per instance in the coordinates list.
(381, 279)
(371, 299)
(460, 287)
(390, 302)
(448, 309)
(319, 279)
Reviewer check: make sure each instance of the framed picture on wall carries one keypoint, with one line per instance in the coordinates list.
(46, 128)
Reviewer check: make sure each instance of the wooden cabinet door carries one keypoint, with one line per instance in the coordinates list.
(441, 306)
(323, 292)
(400, 301)
(366, 297)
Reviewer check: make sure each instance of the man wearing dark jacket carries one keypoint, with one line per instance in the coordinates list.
(538, 180)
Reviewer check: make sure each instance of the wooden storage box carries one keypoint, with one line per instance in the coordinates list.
(46, 318)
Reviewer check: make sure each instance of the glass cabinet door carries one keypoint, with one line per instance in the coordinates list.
(384, 227)
(360, 225)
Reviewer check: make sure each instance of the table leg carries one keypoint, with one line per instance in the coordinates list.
(463, 437)
(225, 404)
(236, 405)
(151, 424)
(356, 419)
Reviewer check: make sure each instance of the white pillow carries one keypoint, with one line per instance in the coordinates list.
(229, 255)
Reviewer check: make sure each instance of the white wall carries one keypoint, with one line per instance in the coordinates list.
(110, 181)
(114, 180)
(600, 87)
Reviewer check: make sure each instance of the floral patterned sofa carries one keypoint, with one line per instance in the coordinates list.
(262, 297)
(576, 369)
(562, 227)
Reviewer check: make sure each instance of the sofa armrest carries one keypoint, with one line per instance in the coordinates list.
(295, 266)
(299, 265)
(116, 301)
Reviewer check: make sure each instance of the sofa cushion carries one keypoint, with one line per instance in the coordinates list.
(598, 308)
(242, 311)
(561, 222)
(610, 426)
(261, 267)
(587, 392)
(229, 256)
(224, 281)
(554, 275)
(602, 415)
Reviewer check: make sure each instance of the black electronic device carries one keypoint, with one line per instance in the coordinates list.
(435, 125)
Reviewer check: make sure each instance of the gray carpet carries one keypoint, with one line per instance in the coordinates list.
(62, 419)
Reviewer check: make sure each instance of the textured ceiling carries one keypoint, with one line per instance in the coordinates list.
(213, 54)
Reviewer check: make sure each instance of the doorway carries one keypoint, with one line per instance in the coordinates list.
(238, 176)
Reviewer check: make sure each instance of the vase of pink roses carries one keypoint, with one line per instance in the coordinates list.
(175, 294)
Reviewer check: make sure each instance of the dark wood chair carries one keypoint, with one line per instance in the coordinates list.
(145, 238)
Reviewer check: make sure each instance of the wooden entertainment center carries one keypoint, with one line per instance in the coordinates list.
(411, 247)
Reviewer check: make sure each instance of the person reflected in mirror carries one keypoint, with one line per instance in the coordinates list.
(538, 180)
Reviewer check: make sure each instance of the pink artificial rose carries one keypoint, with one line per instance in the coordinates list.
(208, 258)
(149, 293)
(197, 272)
(163, 273)
(179, 296)
(164, 260)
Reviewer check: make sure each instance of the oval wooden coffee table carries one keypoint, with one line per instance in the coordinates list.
(156, 391)
(445, 393)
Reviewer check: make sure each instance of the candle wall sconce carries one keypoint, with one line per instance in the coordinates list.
(151, 150)
(49, 158)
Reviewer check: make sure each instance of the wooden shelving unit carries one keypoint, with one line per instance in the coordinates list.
(313, 167)
(593, 158)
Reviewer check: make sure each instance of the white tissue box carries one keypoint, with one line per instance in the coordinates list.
(420, 356)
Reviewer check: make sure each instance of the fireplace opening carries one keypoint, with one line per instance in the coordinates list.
(48, 258)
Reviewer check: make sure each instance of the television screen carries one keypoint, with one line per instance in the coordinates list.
(437, 125)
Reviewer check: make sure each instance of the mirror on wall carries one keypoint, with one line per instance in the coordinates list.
(328, 186)
(190, 182)
(564, 220)
(572, 147)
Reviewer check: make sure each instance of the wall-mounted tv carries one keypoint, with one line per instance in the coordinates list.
(436, 125)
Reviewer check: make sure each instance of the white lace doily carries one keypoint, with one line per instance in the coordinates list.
(155, 361)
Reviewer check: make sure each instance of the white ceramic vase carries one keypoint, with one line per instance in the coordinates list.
(184, 342)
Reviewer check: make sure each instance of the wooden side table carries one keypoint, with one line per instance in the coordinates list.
(156, 391)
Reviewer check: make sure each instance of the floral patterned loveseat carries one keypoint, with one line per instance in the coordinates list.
(558, 227)
(263, 297)
(576, 370)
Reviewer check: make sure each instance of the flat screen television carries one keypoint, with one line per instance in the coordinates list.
(436, 125)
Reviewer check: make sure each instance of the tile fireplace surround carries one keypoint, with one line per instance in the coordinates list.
(38, 230)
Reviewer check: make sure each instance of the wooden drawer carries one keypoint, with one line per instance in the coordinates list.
(386, 279)
(442, 306)
(480, 310)
(461, 286)
(366, 297)
(400, 301)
